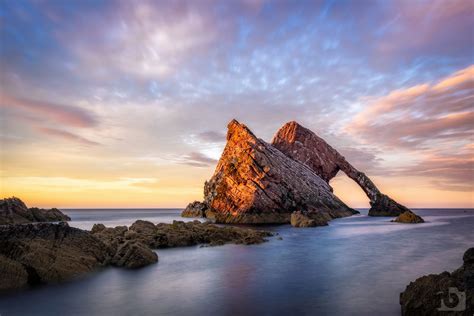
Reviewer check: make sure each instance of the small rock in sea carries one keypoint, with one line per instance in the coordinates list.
(408, 217)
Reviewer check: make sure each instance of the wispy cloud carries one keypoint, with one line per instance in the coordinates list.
(47, 111)
(66, 135)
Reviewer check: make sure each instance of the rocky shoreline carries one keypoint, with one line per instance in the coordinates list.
(455, 291)
(33, 252)
(40, 253)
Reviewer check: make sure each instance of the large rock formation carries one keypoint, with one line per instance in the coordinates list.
(14, 211)
(254, 183)
(304, 146)
(455, 290)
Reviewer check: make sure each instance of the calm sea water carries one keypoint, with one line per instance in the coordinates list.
(354, 266)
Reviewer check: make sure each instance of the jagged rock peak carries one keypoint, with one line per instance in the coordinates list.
(256, 183)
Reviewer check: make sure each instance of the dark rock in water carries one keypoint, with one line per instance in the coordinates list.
(300, 219)
(38, 253)
(453, 293)
(195, 209)
(304, 146)
(254, 183)
(408, 217)
(383, 205)
(43, 253)
(14, 211)
(133, 255)
(178, 234)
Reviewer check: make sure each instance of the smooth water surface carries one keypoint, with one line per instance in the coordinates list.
(354, 266)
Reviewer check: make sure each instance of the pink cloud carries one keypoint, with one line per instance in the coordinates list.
(63, 114)
(436, 119)
(66, 135)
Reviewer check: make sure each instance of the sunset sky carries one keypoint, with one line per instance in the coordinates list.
(125, 103)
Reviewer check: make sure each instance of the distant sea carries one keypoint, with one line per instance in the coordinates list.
(355, 266)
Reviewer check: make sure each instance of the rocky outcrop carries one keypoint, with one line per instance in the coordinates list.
(408, 217)
(32, 254)
(453, 293)
(304, 146)
(254, 183)
(197, 209)
(14, 211)
(300, 219)
(178, 234)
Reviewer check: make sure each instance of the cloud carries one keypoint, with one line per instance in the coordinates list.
(66, 135)
(420, 115)
(141, 38)
(197, 159)
(212, 137)
(432, 121)
(44, 110)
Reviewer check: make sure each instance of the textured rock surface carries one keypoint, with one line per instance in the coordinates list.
(300, 219)
(178, 234)
(254, 183)
(43, 253)
(423, 296)
(408, 217)
(195, 209)
(14, 211)
(304, 146)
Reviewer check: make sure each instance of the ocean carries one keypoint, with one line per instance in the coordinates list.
(355, 266)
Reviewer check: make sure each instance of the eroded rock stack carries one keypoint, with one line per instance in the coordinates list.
(257, 183)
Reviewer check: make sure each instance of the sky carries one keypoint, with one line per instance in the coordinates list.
(126, 103)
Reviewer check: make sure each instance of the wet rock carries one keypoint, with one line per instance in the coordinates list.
(408, 217)
(46, 253)
(179, 234)
(424, 296)
(133, 255)
(304, 146)
(301, 219)
(254, 183)
(14, 211)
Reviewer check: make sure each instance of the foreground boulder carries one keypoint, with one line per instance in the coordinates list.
(409, 217)
(14, 211)
(304, 146)
(32, 254)
(178, 234)
(254, 183)
(455, 290)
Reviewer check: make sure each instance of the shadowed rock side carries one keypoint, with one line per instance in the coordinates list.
(14, 211)
(424, 296)
(254, 183)
(32, 254)
(304, 146)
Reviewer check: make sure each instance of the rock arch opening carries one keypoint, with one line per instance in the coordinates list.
(301, 144)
